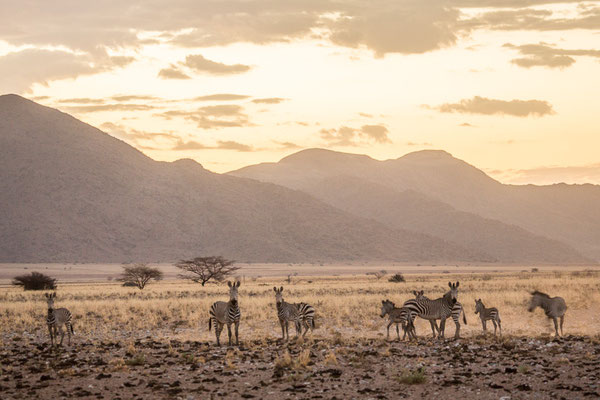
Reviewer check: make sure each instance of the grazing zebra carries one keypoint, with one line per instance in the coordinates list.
(222, 313)
(57, 317)
(487, 314)
(441, 309)
(302, 314)
(398, 316)
(554, 307)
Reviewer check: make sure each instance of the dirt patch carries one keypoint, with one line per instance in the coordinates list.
(314, 369)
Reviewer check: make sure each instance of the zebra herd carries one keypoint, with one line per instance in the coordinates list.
(302, 314)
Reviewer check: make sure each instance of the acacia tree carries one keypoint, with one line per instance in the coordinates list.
(139, 275)
(203, 269)
(35, 281)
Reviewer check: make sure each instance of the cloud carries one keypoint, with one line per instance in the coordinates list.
(485, 106)
(346, 136)
(173, 72)
(287, 145)
(467, 125)
(551, 174)
(378, 133)
(221, 145)
(211, 117)
(198, 63)
(21, 69)
(130, 97)
(269, 100)
(546, 56)
(81, 100)
(365, 115)
(108, 107)
(221, 97)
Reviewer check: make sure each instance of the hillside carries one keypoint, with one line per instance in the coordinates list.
(434, 193)
(71, 193)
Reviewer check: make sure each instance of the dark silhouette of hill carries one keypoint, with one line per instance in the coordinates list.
(434, 193)
(71, 193)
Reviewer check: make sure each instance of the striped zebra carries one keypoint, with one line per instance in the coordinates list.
(554, 307)
(228, 313)
(398, 316)
(487, 314)
(302, 314)
(441, 309)
(418, 310)
(57, 317)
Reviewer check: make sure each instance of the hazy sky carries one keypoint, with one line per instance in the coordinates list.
(510, 86)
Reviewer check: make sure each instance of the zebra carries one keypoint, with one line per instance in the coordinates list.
(554, 307)
(417, 309)
(487, 314)
(441, 309)
(57, 317)
(222, 313)
(302, 314)
(398, 316)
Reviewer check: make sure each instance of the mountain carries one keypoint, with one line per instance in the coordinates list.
(434, 193)
(72, 193)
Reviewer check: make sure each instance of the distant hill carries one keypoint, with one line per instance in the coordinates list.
(434, 193)
(71, 193)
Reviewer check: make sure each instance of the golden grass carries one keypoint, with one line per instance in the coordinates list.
(347, 306)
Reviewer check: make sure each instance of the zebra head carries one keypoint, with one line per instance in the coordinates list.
(386, 307)
(453, 291)
(233, 291)
(537, 298)
(50, 300)
(478, 306)
(278, 294)
(419, 295)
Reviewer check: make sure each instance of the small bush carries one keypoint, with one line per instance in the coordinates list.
(415, 377)
(138, 359)
(486, 277)
(535, 270)
(396, 278)
(35, 281)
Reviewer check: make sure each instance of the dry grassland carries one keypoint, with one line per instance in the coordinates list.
(347, 306)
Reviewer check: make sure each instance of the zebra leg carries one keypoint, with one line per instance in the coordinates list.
(562, 319)
(218, 329)
(69, 329)
(484, 322)
(298, 328)
(500, 326)
(388, 330)
(306, 326)
(229, 332)
(433, 327)
(281, 322)
(555, 325)
(51, 336)
(62, 334)
(442, 328)
(456, 320)
(287, 329)
(494, 322)
(237, 325)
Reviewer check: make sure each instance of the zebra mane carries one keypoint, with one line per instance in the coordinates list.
(538, 293)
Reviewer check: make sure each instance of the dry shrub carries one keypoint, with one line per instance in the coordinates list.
(414, 377)
(331, 359)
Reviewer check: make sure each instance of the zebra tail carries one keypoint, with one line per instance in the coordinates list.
(312, 322)
(72, 331)
(209, 324)
(464, 316)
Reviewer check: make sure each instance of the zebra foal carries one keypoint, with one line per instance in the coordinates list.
(397, 316)
(56, 318)
(554, 307)
(226, 313)
(487, 314)
(302, 314)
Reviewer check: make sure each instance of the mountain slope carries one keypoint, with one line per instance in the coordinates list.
(422, 191)
(70, 192)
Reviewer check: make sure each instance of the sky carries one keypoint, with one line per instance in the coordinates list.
(512, 87)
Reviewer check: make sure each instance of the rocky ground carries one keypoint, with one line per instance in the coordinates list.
(333, 368)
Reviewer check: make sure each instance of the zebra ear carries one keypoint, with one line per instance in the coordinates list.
(46, 294)
(422, 292)
(238, 283)
(450, 285)
(457, 283)
(54, 295)
(229, 283)
(274, 289)
(415, 293)
(281, 289)
(382, 301)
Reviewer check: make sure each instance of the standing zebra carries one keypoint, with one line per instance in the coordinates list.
(441, 309)
(487, 314)
(222, 313)
(554, 307)
(57, 317)
(302, 314)
(398, 316)
(417, 309)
